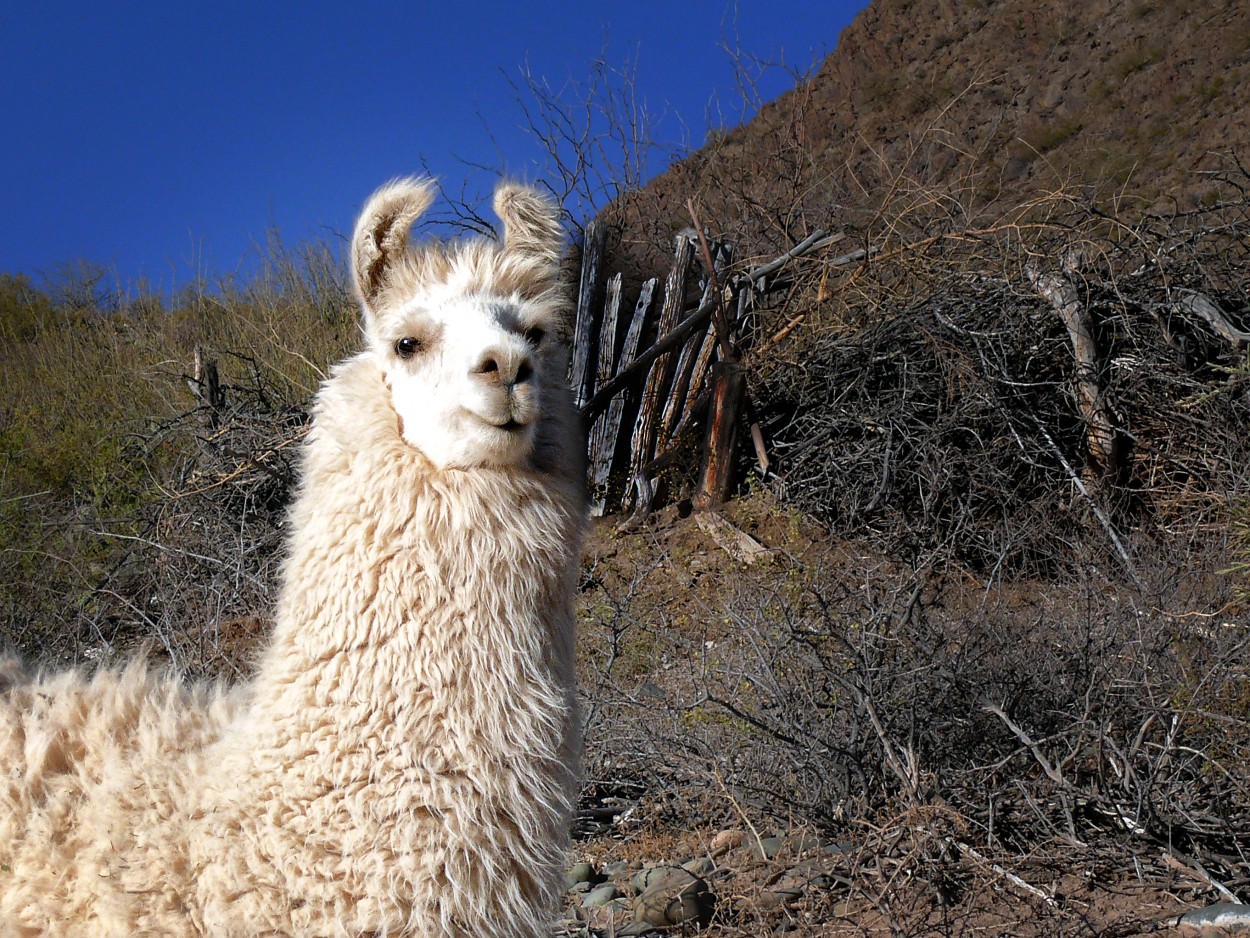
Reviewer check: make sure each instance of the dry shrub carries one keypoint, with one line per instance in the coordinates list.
(929, 400)
(844, 689)
(133, 509)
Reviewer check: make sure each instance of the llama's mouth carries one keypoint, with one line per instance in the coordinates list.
(507, 425)
(511, 420)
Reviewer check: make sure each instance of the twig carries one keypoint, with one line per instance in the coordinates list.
(787, 329)
(1010, 877)
(1193, 866)
(1053, 773)
(1105, 521)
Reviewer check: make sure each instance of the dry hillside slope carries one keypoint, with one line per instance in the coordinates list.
(983, 105)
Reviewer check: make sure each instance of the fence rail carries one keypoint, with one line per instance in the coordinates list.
(644, 379)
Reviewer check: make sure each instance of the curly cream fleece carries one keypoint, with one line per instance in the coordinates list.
(404, 761)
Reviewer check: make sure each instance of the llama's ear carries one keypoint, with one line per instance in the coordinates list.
(381, 236)
(531, 223)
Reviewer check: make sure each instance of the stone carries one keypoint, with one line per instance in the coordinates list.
(600, 895)
(724, 841)
(616, 868)
(699, 866)
(638, 883)
(834, 848)
(779, 896)
(766, 848)
(673, 896)
(805, 841)
(582, 873)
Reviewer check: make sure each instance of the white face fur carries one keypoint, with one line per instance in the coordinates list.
(465, 373)
(466, 360)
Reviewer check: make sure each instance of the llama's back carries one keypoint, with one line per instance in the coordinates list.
(94, 769)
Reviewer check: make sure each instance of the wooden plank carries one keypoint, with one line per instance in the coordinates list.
(732, 539)
(675, 402)
(584, 366)
(602, 437)
(629, 351)
(660, 376)
(696, 356)
(608, 329)
(728, 387)
(699, 374)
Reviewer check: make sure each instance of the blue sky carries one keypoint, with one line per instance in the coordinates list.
(164, 139)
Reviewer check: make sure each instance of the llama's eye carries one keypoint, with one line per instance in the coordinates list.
(534, 336)
(407, 347)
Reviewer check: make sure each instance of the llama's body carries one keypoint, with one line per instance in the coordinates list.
(94, 794)
(404, 761)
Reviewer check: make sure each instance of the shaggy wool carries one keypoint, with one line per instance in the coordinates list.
(404, 761)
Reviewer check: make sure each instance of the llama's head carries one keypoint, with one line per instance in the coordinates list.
(466, 333)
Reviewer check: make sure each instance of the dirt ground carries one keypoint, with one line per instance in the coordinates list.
(818, 893)
(921, 866)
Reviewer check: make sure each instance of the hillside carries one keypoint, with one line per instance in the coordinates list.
(1004, 520)
(982, 106)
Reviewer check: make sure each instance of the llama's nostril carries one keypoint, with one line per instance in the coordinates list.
(504, 368)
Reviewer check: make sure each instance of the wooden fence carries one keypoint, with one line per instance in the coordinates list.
(644, 377)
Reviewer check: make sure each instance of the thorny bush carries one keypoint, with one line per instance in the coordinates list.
(842, 688)
(932, 401)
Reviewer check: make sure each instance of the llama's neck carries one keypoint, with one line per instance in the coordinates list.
(411, 592)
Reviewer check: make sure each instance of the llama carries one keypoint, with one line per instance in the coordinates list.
(404, 760)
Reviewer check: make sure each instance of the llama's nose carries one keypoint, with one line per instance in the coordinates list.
(504, 366)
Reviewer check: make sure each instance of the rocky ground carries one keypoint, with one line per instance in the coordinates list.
(742, 882)
(679, 833)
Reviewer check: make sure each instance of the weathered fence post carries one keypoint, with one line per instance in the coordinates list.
(602, 434)
(206, 386)
(608, 423)
(584, 367)
(660, 377)
(728, 392)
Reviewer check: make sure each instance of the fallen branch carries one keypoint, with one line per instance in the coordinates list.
(1010, 877)
(1103, 434)
(1202, 307)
